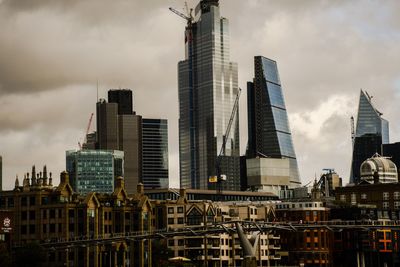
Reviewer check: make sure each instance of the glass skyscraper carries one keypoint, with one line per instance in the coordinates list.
(268, 126)
(155, 153)
(371, 132)
(94, 170)
(208, 85)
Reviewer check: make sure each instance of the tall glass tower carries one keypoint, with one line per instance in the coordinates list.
(155, 153)
(371, 132)
(268, 125)
(207, 85)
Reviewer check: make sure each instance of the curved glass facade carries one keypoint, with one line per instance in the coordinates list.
(269, 131)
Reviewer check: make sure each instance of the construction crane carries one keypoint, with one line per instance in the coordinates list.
(221, 177)
(87, 131)
(352, 129)
(192, 109)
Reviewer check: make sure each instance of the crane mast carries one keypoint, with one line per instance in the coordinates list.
(220, 177)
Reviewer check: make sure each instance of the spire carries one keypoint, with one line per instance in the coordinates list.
(33, 182)
(16, 181)
(51, 180)
(44, 175)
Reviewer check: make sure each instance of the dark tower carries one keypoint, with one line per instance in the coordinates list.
(121, 129)
(123, 97)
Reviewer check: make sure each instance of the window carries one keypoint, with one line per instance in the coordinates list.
(23, 229)
(397, 205)
(171, 242)
(52, 214)
(363, 196)
(342, 197)
(32, 201)
(180, 209)
(32, 229)
(180, 220)
(44, 228)
(353, 199)
(170, 210)
(23, 202)
(385, 195)
(24, 215)
(396, 195)
(32, 215)
(180, 242)
(385, 205)
(170, 220)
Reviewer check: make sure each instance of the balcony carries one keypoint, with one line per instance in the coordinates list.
(275, 257)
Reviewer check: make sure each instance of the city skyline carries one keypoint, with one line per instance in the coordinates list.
(326, 53)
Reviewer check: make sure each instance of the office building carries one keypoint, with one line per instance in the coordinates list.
(268, 126)
(371, 132)
(94, 170)
(392, 151)
(155, 153)
(207, 85)
(124, 99)
(121, 129)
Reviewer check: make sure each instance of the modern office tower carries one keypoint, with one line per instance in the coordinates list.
(208, 85)
(119, 129)
(94, 170)
(123, 97)
(371, 132)
(268, 126)
(155, 153)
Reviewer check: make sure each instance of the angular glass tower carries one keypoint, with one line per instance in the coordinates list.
(371, 132)
(207, 85)
(268, 125)
(155, 153)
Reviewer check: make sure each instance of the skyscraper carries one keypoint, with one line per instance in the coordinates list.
(155, 153)
(121, 129)
(268, 126)
(371, 132)
(124, 99)
(207, 85)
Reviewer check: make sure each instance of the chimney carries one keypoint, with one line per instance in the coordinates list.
(44, 175)
(51, 180)
(140, 188)
(33, 181)
(120, 183)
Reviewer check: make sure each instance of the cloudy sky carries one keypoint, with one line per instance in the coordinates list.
(52, 53)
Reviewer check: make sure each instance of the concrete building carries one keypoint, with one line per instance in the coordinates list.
(268, 174)
(119, 129)
(155, 153)
(207, 85)
(94, 170)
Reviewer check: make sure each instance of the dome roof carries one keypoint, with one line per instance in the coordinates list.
(385, 168)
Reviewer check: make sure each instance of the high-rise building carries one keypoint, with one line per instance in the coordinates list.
(123, 97)
(119, 129)
(208, 85)
(268, 126)
(155, 153)
(94, 170)
(371, 132)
